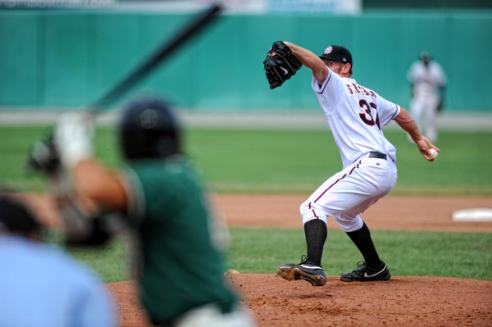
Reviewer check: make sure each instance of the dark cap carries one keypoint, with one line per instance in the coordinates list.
(337, 53)
(16, 217)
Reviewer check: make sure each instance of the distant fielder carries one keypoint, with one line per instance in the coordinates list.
(428, 81)
(355, 115)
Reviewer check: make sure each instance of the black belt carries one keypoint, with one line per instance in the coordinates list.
(379, 155)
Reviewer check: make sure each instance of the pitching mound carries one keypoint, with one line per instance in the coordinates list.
(399, 302)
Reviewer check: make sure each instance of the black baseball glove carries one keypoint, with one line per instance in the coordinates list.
(280, 64)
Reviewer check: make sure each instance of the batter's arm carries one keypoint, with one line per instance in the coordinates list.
(100, 184)
(407, 123)
(311, 61)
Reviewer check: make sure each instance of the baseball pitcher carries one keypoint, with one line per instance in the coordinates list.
(355, 115)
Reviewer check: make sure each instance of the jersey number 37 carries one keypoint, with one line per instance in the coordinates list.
(367, 115)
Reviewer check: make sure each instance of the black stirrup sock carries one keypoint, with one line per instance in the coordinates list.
(316, 233)
(362, 239)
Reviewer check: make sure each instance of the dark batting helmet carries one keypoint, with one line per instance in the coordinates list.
(149, 129)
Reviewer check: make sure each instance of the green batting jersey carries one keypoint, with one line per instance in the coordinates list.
(180, 265)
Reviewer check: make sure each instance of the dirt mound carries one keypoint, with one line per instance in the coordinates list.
(399, 302)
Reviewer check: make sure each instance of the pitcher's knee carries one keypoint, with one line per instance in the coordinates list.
(309, 212)
(306, 210)
(349, 224)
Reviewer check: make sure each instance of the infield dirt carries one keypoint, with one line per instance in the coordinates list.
(402, 301)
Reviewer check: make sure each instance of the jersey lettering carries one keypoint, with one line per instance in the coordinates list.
(349, 89)
(354, 88)
(367, 116)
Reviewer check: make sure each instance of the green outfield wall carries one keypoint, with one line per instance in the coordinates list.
(60, 59)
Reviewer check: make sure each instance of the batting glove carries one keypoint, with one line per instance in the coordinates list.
(73, 138)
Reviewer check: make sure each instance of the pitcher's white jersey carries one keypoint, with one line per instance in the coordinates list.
(355, 115)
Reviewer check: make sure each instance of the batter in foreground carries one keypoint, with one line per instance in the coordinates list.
(178, 240)
(355, 115)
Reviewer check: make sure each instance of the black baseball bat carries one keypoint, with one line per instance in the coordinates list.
(191, 29)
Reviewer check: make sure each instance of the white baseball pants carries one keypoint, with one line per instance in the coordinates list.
(350, 192)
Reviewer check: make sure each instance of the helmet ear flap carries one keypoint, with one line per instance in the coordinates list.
(149, 129)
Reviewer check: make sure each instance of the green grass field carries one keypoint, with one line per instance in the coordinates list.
(261, 250)
(282, 161)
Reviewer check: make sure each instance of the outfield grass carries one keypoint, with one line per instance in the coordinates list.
(281, 161)
(299, 161)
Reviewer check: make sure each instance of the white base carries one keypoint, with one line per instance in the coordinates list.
(477, 214)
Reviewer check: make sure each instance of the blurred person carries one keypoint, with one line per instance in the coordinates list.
(179, 243)
(40, 285)
(355, 115)
(428, 82)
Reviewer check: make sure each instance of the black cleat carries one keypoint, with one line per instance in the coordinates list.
(366, 274)
(306, 271)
